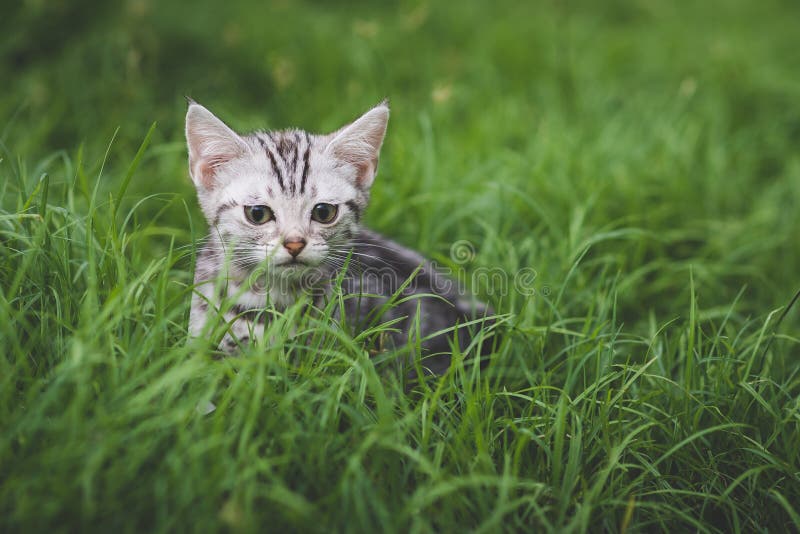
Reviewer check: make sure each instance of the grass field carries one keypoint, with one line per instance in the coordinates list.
(640, 156)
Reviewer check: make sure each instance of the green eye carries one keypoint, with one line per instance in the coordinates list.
(324, 213)
(258, 214)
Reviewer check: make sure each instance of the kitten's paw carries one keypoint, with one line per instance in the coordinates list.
(232, 346)
(205, 408)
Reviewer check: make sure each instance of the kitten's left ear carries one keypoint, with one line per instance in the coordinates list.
(359, 143)
(211, 143)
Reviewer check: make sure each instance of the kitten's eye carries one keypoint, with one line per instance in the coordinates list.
(324, 213)
(258, 214)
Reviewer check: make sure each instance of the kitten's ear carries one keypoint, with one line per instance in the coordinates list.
(211, 143)
(359, 143)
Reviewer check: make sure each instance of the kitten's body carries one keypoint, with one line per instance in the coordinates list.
(268, 197)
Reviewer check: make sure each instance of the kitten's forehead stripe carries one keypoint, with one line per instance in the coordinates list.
(285, 147)
(294, 160)
(289, 155)
(276, 170)
(272, 160)
(305, 166)
(285, 158)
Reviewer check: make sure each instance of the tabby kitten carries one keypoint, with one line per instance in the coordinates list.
(284, 210)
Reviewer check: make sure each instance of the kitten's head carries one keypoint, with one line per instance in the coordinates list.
(289, 200)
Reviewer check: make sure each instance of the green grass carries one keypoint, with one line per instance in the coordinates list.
(640, 156)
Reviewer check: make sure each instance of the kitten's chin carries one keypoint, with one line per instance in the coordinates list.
(294, 271)
(293, 265)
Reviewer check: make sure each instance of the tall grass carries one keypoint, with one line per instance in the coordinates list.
(642, 162)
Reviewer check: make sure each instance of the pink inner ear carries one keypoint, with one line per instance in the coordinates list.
(206, 170)
(365, 172)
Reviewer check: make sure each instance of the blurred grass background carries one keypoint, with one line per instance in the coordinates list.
(620, 108)
(641, 155)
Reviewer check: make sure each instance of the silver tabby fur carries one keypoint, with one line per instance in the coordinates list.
(292, 171)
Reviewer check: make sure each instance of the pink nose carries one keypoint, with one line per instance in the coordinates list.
(295, 246)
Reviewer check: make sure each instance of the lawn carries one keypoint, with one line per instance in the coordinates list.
(626, 172)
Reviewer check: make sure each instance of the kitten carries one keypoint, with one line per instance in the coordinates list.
(284, 210)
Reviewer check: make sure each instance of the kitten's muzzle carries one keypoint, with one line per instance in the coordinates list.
(294, 246)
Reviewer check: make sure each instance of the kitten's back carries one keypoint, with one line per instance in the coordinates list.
(380, 267)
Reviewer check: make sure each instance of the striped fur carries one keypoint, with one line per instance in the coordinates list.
(245, 271)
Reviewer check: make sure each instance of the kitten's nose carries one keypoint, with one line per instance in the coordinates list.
(295, 246)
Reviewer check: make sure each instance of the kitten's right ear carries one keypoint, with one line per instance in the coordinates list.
(359, 143)
(211, 143)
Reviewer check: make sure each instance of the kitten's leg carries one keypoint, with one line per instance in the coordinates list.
(241, 333)
(198, 315)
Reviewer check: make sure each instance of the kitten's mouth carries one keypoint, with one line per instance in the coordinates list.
(294, 271)
(293, 263)
(293, 266)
